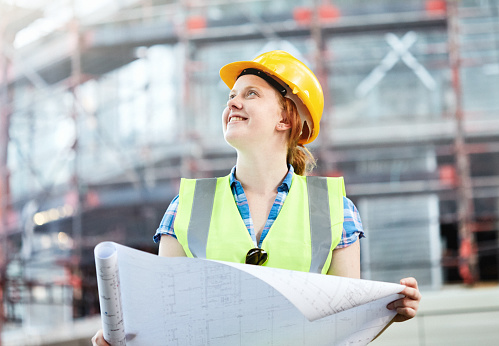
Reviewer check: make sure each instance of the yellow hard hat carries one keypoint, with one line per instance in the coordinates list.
(302, 85)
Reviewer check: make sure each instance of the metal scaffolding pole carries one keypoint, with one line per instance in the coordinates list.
(5, 112)
(468, 268)
(187, 108)
(316, 31)
(75, 82)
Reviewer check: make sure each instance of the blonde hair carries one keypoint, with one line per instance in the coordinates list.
(298, 156)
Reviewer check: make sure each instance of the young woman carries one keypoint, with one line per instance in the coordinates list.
(267, 211)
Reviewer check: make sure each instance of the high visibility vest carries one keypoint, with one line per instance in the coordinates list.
(303, 236)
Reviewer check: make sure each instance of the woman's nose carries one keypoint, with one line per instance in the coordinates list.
(234, 103)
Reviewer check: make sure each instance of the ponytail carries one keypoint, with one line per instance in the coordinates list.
(298, 156)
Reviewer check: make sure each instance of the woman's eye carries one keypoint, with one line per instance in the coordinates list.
(252, 92)
(231, 96)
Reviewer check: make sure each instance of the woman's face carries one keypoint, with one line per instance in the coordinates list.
(252, 114)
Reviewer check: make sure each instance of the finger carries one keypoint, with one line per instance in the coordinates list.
(101, 341)
(411, 290)
(403, 302)
(407, 312)
(411, 293)
(409, 282)
(98, 339)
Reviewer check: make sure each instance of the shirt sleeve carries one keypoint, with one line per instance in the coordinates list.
(166, 225)
(352, 225)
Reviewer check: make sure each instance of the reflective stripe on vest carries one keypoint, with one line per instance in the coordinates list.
(199, 223)
(319, 211)
(320, 221)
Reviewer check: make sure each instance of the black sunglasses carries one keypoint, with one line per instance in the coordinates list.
(257, 257)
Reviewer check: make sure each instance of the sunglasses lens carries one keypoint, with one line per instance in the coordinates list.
(256, 256)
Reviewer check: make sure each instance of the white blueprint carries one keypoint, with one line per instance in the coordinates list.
(186, 301)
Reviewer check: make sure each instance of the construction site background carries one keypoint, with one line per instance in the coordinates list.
(104, 105)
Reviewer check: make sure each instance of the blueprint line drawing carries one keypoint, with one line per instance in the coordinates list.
(150, 300)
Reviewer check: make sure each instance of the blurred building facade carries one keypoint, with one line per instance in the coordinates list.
(105, 105)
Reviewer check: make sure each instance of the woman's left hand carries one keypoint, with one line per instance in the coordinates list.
(406, 307)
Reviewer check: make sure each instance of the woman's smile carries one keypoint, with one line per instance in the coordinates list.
(236, 118)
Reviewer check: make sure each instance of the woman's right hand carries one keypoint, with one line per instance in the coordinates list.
(98, 339)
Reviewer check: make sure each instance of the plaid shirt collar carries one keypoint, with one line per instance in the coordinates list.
(286, 184)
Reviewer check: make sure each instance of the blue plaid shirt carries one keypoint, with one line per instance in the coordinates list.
(352, 225)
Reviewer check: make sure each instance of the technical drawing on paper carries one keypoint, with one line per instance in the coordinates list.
(188, 301)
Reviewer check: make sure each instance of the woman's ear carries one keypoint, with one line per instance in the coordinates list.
(282, 126)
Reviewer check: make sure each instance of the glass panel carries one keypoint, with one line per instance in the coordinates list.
(396, 77)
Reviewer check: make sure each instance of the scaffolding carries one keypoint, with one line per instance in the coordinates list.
(83, 205)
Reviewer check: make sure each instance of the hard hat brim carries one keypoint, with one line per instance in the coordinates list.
(230, 72)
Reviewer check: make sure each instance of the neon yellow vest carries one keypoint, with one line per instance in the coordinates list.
(289, 242)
